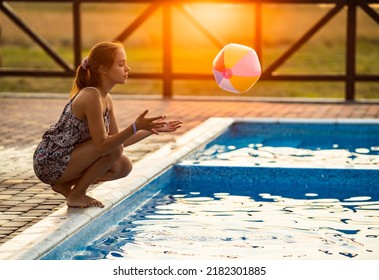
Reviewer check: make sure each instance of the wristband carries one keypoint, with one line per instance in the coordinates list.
(134, 128)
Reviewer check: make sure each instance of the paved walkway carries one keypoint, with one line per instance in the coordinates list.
(24, 200)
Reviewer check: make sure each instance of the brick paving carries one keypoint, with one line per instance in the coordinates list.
(24, 200)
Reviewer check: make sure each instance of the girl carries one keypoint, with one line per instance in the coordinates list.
(85, 145)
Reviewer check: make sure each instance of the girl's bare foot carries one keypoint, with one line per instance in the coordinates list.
(83, 201)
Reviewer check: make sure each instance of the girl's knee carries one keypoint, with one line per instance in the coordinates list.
(122, 167)
(115, 154)
(126, 166)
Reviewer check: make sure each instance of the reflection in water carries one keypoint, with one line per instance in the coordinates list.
(229, 226)
(259, 155)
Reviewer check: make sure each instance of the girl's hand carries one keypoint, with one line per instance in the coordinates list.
(170, 126)
(149, 124)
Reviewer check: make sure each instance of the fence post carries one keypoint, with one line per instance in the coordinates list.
(77, 32)
(1, 54)
(167, 50)
(258, 31)
(350, 50)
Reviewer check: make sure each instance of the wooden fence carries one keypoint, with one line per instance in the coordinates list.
(167, 76)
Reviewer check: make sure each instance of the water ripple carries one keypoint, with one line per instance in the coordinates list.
(232, 226)
(260, 155)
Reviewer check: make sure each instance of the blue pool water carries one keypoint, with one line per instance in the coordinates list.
(219, 212)
(294, 204)
(295, 145)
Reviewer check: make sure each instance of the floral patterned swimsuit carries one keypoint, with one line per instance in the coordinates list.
(53, 154)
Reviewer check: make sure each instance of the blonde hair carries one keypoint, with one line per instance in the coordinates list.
(88, 75)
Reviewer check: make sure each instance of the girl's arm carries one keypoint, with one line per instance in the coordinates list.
(113, 126)
(170, 126)
(113, 129)
(140, 135)
(88, 105)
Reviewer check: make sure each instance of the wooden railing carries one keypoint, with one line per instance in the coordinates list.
(350, 77)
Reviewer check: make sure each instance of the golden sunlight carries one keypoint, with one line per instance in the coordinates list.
(225, 21)
(194, 49)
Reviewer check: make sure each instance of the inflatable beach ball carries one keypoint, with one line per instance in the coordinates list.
(236, 68)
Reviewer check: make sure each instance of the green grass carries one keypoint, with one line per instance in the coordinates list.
(282, 25)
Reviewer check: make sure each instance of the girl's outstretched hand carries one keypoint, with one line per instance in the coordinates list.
(149, 124)
(170, 126)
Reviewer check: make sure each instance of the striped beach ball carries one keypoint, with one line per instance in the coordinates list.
(236, 68)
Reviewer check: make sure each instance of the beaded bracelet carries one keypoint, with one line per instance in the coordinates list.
(134, 128)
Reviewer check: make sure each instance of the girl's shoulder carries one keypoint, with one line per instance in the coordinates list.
(86, 98)
(90, 90)
(88, 94)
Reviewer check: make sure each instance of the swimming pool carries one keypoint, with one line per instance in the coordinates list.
(259, 203)
(325, 145)
(66, 233)
(206, 212)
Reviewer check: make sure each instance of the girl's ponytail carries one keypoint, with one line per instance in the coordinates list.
(82, 80)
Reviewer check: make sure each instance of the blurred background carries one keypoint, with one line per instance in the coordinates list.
(191, 51)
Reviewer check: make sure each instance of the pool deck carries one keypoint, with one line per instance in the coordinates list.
(24, 200)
